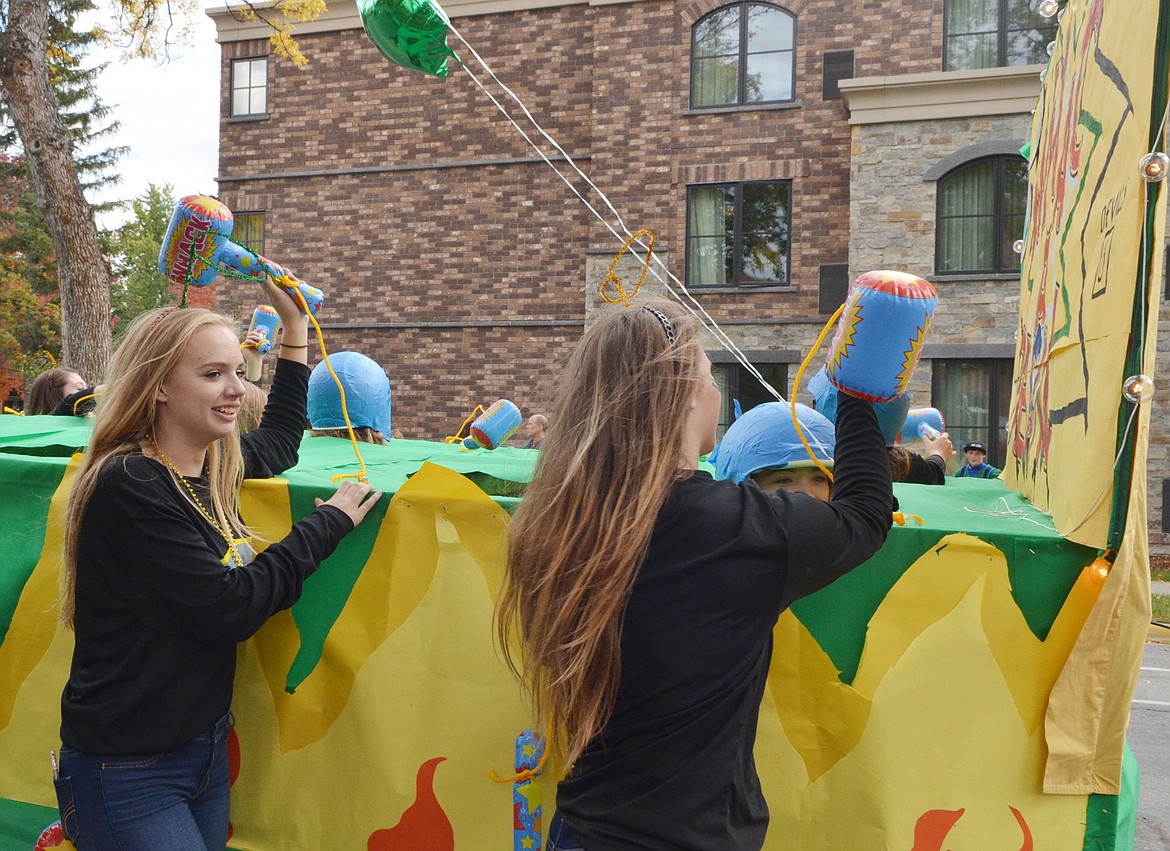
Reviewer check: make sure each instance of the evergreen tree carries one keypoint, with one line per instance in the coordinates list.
(138, 284)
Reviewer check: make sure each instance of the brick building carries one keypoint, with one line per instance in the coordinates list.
(776, 151)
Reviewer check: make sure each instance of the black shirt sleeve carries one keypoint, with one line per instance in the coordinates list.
(828, 539)
(274, 446)
(927, 471)
(168, 572)
(79, 404)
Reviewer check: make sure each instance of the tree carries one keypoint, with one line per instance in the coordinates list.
(83, 276)
(143, 28)
(138, 284)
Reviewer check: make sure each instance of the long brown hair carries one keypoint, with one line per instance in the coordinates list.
(577, 540)
(46, 391)
(126, 416)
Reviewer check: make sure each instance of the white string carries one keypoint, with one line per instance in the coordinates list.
(1007, 511)
(1112, 474)
(705, 318)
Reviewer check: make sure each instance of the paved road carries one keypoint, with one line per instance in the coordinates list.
(1149, 737)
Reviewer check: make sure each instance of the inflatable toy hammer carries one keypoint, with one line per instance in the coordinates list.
(198, 246)
(266, 320)
(494, 426)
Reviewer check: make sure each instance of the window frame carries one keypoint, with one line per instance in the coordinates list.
(741, 85)
(997, 218)
(232, 89)
(239, 216)
(737, 235)
(737, 374)
(1001, 40)
(996, 439)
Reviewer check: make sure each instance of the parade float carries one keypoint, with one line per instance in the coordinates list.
(968, 688)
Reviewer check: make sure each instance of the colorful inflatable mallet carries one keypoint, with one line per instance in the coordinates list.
(881, 334)
(494, 426)
(266, 320)
(198, 246)
(526, 798)
(923, 424)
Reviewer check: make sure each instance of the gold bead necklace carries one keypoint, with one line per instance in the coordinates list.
(235, 554)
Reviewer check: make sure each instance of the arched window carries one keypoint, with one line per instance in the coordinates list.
(980, 215)
(995, 33)
(743, 54)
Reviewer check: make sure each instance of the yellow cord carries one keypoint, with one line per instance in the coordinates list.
(9, 410)
(458, 436)
(796, 386)
(622, 297)
(83, 399)
(361, 477)
(526, 774)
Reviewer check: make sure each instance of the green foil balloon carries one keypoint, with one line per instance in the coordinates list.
(411, 33)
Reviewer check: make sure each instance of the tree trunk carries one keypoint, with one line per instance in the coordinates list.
(82, 271)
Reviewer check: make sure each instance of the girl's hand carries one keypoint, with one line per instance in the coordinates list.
(295, 322)
(940, 446)
(253, 360)
(351, 498)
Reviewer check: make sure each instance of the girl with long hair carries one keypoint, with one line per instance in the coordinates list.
(49, 390)
(160, 582)
(642, 593)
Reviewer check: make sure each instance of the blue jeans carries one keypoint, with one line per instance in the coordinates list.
(560, 838)
(175, 799)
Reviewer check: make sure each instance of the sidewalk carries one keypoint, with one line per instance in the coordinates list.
(1160, 588)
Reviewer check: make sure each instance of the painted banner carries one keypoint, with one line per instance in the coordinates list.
(904, 707)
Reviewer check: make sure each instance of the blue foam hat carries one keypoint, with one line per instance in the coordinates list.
(891, 415)
(367, 394)
(765, 437)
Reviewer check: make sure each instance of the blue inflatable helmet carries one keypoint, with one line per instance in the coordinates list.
(891, 415)
(765, 437)
(367, 394)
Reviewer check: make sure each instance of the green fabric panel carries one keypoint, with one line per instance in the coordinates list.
(1111, 820)
(22, 521)
(21, 824)
(1042, 566)
(46, 435)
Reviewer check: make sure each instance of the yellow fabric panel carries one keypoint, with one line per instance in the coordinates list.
(35, 620)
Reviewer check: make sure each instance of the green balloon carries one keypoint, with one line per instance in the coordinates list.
(411, 33)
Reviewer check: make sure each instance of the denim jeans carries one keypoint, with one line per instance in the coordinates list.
(176, 800)
(560, 838)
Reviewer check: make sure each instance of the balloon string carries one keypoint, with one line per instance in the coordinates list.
(705, 318)
(796, 387)
(361, 477)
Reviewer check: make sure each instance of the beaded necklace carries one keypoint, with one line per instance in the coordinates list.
(235, 554)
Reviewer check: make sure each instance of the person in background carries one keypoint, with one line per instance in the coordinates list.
(56, 391)
(976, 466)
(764, 446)
(160, 582)
(644, 593)
(534, 429)
(367, 399)
(905, 465)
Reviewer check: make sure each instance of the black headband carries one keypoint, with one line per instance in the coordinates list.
(666, 326)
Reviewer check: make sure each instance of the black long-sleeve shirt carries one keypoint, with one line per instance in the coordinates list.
(674, 768)
(158, 614)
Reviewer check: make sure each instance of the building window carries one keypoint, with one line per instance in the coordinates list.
(735, 382)
(980, 215)
(974, 397)
(743, 54)
(737, 234)
(248, 230)
(994, 33)
(249, 87)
